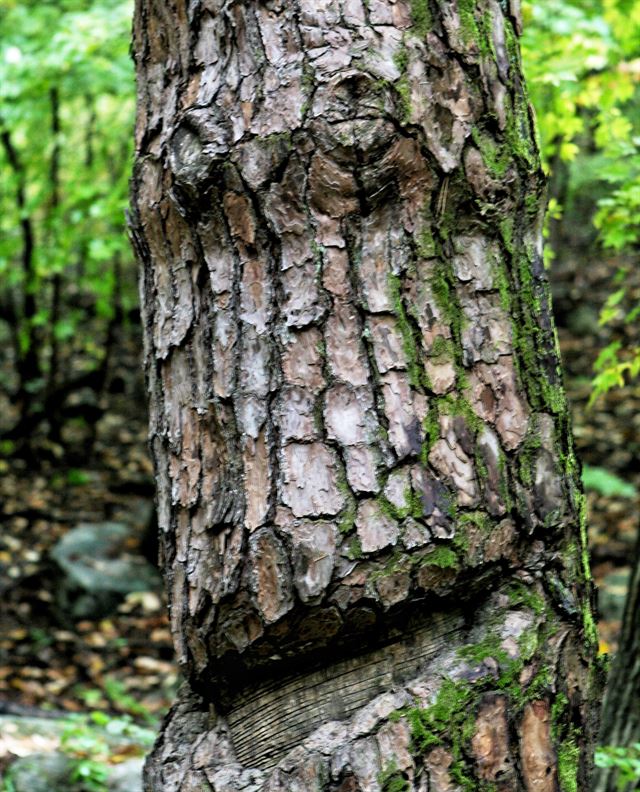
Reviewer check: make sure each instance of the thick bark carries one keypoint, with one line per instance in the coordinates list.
(621, 711)
(371, 520)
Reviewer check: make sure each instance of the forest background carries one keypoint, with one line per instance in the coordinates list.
(72, 424)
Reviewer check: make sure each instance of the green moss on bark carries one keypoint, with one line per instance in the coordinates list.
(443, 285)
(468, 23)
(392, 780)
(442, 557)
(410, 344)
(496, 157)
(421, 18)
(447, 722)
(403, 89)
(348, 518)
(450, 721)
(568, 763)
(431, 426)
(519, 594)
(354, 550)
(425, 244)
(527, 456)
(412, 506)
(565, 738)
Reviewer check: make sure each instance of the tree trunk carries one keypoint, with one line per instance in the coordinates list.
(621, 713)
(24, 329)
(371, 521)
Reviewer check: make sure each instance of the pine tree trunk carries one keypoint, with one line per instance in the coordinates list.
(621, 711)
(371, 521)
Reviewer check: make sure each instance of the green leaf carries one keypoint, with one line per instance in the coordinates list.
(77, 477)
(606, 483)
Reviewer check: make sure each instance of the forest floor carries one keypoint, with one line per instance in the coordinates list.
(607, 434)
(123, 663)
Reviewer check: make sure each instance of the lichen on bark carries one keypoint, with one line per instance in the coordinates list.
(361, 443)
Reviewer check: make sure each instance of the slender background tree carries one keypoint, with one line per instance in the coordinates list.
(620, 726)
(67, 278)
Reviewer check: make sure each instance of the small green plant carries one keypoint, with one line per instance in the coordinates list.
(625, 760)
(92, 697)
(77, 478)
(90, 742)
(117, 694)
(40, 638)
(605, 483)
(92, 775)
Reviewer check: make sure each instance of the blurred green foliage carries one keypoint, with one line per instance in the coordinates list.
(582, 71)
(606, 483)
(66, 129)
(89, 741)
(93, 743)
(625, 760)
(582, 60)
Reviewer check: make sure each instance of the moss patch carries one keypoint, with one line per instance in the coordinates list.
(450, 722)
(401, 58)
(568, 760)
(392, 780)
(413, 506)
(348, 518)
(443, 557)
(447, 722)
(444, 293)
(520, 136)
(458, 405)
(403, 89)
(410, 344)
(496, 157)
(448, 716)
(506, 232)
(431, 426)
(567, 747)
(421, 17)
(468, 24)
(527, 456)
(519, 594)
(355, 549)
(489, 647)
